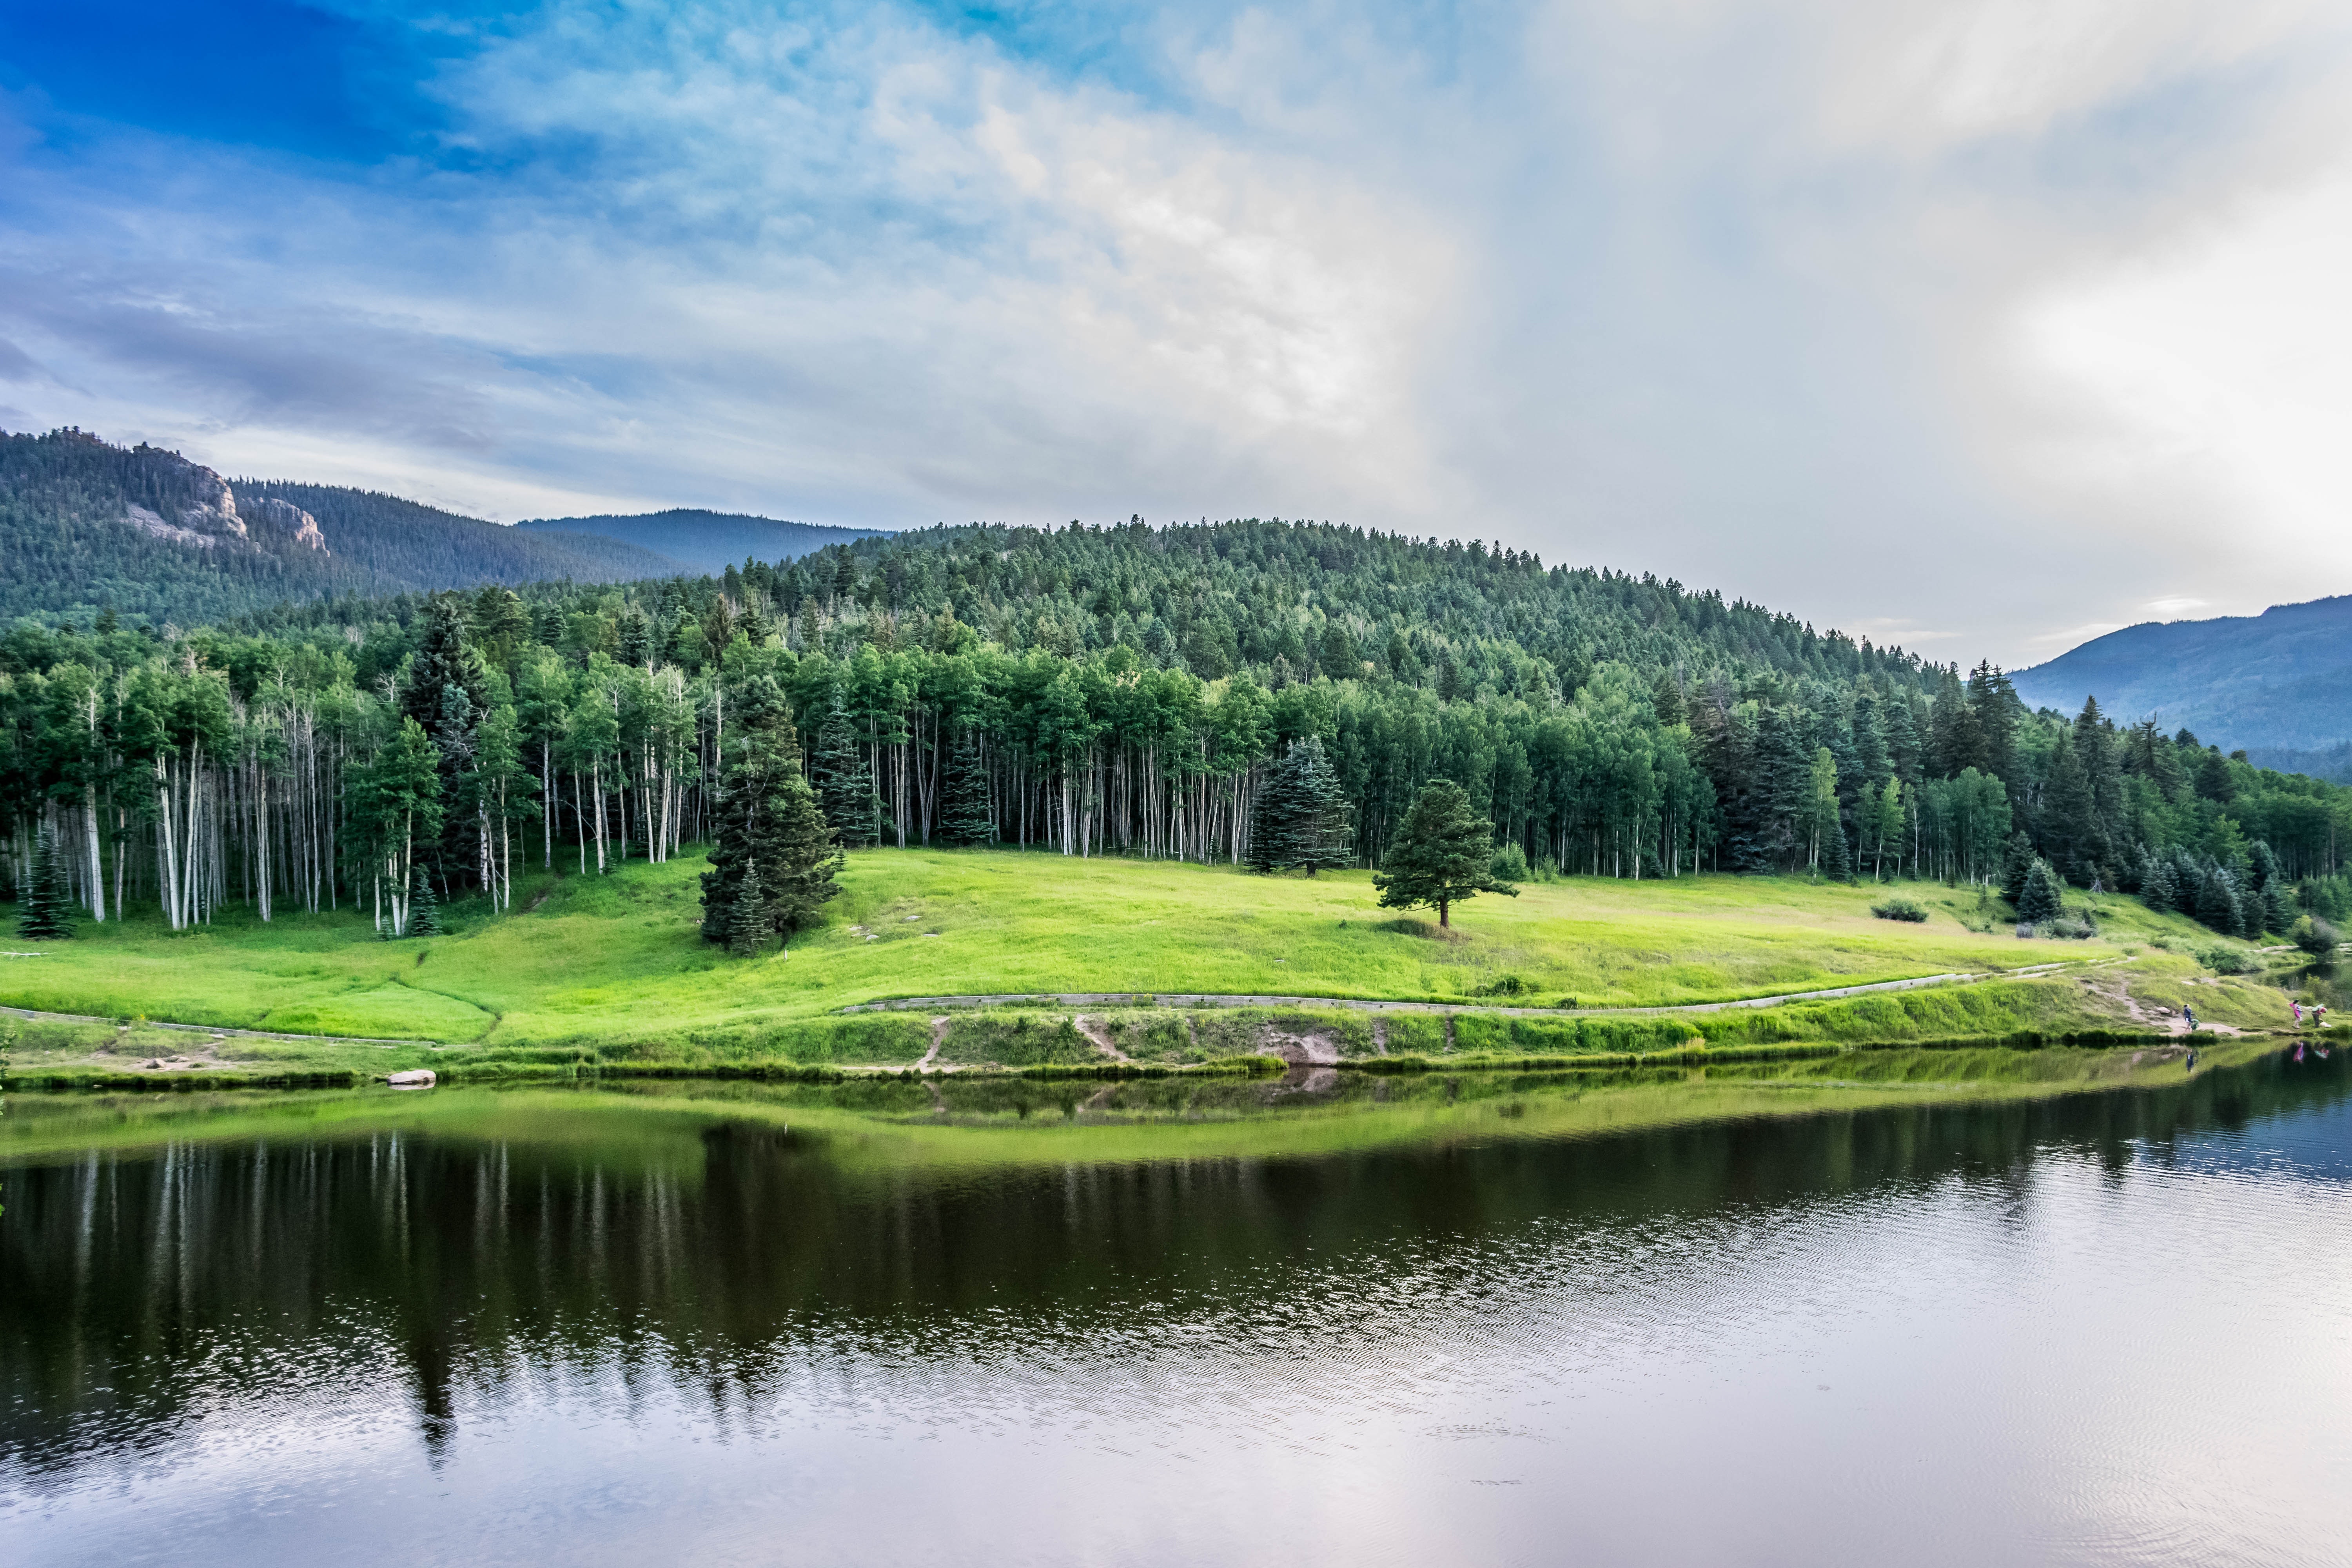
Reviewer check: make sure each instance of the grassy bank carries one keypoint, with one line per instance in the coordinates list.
(610, 972)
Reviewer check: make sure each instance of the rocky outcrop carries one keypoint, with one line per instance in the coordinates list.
(204, 513)
(205, 506)
(147, 522)
(282, 521)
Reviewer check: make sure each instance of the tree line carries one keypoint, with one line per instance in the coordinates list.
(1125, 691)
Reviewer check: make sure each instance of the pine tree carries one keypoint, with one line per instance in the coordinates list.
(1444, 852)
(2216, 902)
(1666, 697)
(851, 806)
(45, 905)
(2038, 901)
(775, 859)
(445, 692)
(801, 858)
(1837, 858)
(423, 908)
(748, 924)
(1271, 817)
(2016, 865)
(1300, 819)
(963, 806)
(1319, 838)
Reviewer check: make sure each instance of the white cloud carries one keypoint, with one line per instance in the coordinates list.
(2002, 320)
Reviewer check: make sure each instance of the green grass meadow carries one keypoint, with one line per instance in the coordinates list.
(587, 964)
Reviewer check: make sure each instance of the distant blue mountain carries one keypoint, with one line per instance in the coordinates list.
(2277, 683)
(708, 540)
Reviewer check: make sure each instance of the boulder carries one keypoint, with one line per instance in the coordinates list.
(415, 1077)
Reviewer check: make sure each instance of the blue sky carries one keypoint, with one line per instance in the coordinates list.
(1981, 326)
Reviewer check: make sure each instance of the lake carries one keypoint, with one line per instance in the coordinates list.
(1765, 1317)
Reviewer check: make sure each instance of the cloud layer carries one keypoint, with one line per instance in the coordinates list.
(1979, 327)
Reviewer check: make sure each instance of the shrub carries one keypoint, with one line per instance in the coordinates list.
(2222, 960)
(1507, 985)
(1899, 909)
(2317, 937)
(2069, 930)
(1510, 863)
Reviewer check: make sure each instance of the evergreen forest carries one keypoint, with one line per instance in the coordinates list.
(1254, 693)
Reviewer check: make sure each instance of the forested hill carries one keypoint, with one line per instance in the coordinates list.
(2275, 683)
(86, 527)
(1128, 691)
(707, 540)
(1292, 600)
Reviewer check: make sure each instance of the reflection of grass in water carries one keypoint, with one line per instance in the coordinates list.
(881, 1128)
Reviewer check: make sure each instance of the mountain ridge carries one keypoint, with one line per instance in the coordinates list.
(708, 540)
(87, 526)
(2280, 681)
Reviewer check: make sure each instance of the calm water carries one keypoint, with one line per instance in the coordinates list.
(1353, 1324)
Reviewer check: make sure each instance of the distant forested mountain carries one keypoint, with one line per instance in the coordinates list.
(2279, 683)
(86, 527)
(707, 540)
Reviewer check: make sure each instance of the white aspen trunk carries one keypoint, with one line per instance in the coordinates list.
(261, 839)
(97, 863)
(188, 886)
(596, 793)
(167, 854)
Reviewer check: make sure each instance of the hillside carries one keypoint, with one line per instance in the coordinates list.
(2278, 683)
(86, 526)
(705, 541)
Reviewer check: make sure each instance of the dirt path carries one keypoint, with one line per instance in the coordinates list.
(939, 1038)
(1092, 1029)
(1197, 999)
(216, 1031)
(2165, 1020)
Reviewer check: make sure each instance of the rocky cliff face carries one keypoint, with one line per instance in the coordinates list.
(286, 522)
(203, 514)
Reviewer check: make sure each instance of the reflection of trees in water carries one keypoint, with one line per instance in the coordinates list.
(135, 1289)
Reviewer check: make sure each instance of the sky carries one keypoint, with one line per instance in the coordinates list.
(1977, 326)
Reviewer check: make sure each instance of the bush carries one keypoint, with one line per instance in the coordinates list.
(2069, 930)
(1899, 909)
(2317, 937)
(1507, 985)
(1510, 863)
(2223, 960)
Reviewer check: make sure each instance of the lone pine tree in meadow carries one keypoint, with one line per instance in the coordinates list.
(1443, 853)
(1301, 816)
(44, 905)
(964, 817)
(775, 859)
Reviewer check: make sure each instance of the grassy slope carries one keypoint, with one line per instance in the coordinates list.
(618, 960)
